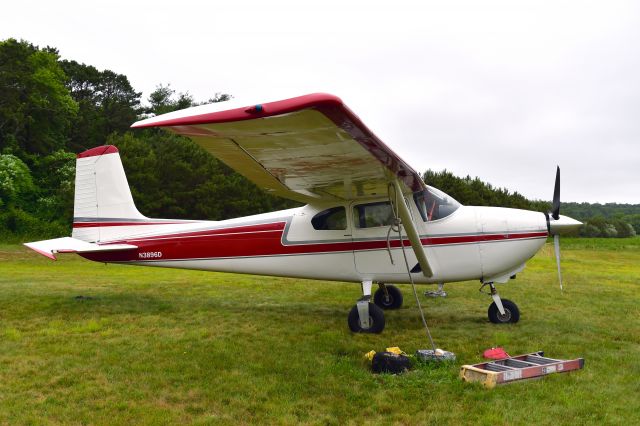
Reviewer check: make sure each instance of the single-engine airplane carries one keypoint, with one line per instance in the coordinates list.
(368, 216)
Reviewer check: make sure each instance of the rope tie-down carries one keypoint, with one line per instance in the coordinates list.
(395, 198)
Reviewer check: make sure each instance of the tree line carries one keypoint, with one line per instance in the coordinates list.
(600, 220)
(51, 109)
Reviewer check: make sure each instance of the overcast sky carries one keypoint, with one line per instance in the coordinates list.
(500, 90)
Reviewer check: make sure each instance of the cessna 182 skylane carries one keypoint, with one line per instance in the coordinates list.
(358, 195)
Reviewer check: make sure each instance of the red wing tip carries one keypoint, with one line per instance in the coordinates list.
(98, 150)
(247, 112)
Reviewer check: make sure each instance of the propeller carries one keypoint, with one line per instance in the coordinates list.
(555, 214)
(558, 224)
(555, 209)
(556, 245)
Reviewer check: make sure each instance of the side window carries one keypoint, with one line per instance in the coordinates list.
(372, 215)
(334, 218)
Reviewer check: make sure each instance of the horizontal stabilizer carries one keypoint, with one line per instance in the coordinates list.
(49, 248)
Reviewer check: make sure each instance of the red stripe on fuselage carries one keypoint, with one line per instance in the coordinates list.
(265, 240)
(101, 224)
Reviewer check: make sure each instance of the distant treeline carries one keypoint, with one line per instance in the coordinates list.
(605, 220)
(51, 109)
(601, 220)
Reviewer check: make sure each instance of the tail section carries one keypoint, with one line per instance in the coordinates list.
(102, 194)
(105, 217)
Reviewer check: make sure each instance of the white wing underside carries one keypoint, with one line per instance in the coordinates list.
(307, 148)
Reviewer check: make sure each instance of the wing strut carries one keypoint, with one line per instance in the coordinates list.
(410, 229)
(402, 211)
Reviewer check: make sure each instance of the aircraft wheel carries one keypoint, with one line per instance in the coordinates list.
(376, 320)
(393, 301)
(511, 313)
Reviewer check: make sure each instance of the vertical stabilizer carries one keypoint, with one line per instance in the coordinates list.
(102, 192)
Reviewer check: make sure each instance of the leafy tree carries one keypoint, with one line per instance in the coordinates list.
(107, 104)
(623, 229)
(600, 226)
(634, 221)
(629, 213)
(218, 97)
(55, 175)
(15, 180)
(36, 108)
(163, 100)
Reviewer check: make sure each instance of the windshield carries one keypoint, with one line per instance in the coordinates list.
(434, 204)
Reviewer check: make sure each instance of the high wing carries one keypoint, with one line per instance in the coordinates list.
(307, 148)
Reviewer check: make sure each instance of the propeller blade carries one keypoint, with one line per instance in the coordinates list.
(555, 211)
(556, 244)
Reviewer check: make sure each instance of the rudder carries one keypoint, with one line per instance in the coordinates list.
(101, 193)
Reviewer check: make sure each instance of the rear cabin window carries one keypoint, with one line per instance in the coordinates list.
(373, 215)
(331, 219)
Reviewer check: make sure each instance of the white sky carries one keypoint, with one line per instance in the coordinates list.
(503, 90)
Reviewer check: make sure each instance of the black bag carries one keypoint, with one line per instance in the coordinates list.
(388, 362)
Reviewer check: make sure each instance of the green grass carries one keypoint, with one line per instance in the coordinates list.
(150, 346)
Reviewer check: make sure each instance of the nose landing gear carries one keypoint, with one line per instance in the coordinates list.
(437, 293)
(501, 311)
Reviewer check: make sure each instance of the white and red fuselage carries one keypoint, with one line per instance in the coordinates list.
(486, 243)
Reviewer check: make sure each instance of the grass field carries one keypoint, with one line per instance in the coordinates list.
(154, 346)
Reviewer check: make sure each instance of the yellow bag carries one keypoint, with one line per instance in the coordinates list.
(396, 350)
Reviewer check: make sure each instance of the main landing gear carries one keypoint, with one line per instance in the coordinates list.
(501, 311)
(388, 297)
(367, 317)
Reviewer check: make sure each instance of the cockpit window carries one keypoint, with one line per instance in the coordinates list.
(334, 218)
(373, 214)
(434, 204)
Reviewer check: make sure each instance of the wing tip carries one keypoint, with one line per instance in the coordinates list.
(247, 112)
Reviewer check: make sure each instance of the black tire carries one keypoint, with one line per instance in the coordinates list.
(376, 320)
(511, 313)
(394, 301)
